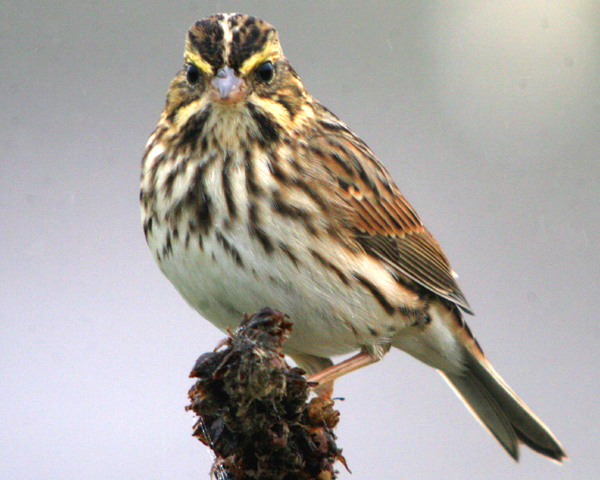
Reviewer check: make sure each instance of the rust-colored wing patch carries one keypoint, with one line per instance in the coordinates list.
(381, 220)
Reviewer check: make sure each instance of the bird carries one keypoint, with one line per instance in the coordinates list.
(254, 194)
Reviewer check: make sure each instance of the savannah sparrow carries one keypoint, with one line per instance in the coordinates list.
(253, 194)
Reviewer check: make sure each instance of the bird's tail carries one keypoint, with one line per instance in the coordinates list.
(500, 410)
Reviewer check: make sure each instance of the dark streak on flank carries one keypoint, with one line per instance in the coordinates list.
(230, 249)
(148, 226)
(256, 231)
(352, 327)
(285, 249)
(201, 243)
(373, 332)
(387, 306)
(227, 189)
(397, 276)
(174, 215)
(253, 213)
(147, 197)
(263, 238)
(326, 263)
(167, 247)
(204, 213)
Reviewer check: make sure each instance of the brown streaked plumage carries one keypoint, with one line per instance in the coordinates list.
(253, 194)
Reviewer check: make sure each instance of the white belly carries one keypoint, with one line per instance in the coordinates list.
(230, 272)
(321, 308)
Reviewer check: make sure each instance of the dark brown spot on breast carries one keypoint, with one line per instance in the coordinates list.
(198, 201)
(267, 128)
(193, 129)
(226, 175)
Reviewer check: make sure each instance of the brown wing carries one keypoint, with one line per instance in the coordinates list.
(383, 222)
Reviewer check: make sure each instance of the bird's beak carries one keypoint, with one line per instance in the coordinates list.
(229, 86)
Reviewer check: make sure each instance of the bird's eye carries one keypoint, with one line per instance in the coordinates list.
(265, 71)
(192, 73)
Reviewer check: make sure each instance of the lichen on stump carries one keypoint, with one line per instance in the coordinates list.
(252, 408)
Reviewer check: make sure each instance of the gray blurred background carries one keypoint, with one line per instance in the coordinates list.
(487, 114)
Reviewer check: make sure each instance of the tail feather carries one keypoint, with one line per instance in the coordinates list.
(501, 411)
(447, 344)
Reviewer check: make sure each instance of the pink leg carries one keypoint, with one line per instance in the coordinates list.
(359, 360)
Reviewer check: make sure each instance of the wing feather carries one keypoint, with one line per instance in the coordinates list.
(381, 220)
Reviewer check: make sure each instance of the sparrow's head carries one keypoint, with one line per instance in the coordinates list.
(234, 69)
(233, 59)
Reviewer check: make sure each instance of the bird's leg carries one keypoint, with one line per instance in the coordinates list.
(368, 355)
(312, 365)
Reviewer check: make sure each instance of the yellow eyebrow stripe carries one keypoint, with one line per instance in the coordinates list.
(191, 56)
(271, 51)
